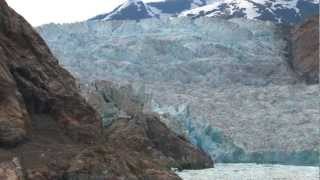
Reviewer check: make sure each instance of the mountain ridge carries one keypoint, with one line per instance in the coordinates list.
(283, 11)
(130, 10)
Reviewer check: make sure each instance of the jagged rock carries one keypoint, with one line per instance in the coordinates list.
(305, 50)
(34, 73)
(114, 100)
(11, 170)
(146, 133)
(138, 147)
(13, 114)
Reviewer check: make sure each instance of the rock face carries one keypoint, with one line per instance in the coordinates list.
(305, 49)
(138, 148)
(11, 170)
(114, 100)
(31, 77)
(149, 135)
(13, 113)
(56, 134)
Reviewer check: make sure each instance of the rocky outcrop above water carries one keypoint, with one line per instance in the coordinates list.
(54, 133)
(305, 50)
(139, 147)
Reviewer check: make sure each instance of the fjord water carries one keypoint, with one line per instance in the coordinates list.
(253, 172)
(226, 85)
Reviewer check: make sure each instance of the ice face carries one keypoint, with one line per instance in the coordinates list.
(272, 124)
(207, 51)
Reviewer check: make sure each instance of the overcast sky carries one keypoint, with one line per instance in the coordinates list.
(39, 12)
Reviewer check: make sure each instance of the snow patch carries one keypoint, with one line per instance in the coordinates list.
(250, 8)
(138, 3)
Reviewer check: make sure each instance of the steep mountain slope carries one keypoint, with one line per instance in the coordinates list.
(48, 131)
(175, 7)
(130, 10)
(210, 79)
(137, 9)
(33, 81)
(283, 11)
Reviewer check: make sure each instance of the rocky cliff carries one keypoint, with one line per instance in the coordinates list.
(33, 83)
(305, 49)
(53, 133)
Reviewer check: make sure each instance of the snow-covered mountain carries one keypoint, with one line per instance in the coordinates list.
(174, 7)
(281, 11)
(138, 9)
(130, 10)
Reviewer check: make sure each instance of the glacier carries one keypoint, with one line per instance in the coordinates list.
(226, 85)
(208, 51)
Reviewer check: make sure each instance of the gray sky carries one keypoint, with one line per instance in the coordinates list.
(39, 12)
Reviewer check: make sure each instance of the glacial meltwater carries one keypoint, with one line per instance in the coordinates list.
(253, 172)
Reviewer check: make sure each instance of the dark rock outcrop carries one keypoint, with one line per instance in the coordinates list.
(147, 134)
(305, 50)
(55, 134)
(31, 77)
(11, 170)
(139, 148)
(13, 113)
